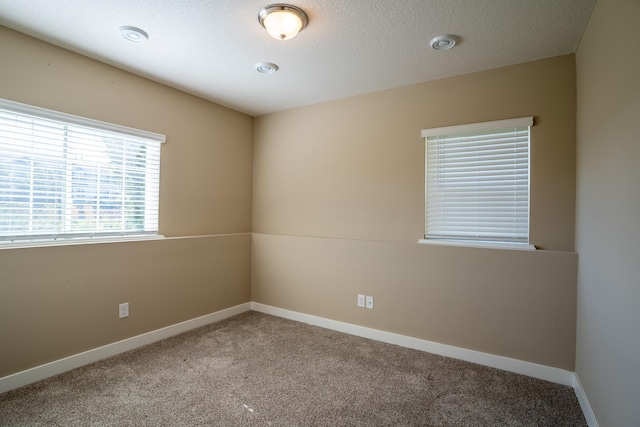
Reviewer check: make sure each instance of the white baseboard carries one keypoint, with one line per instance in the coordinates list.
(547, 373)
(584, 402)
(47, 370)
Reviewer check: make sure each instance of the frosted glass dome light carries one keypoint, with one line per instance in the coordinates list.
(283, 21)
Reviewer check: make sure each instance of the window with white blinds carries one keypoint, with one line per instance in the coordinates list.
(64, 177)
(477, 182)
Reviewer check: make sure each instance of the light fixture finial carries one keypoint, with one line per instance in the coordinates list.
(283, 21)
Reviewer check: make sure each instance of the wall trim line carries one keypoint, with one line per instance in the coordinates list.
(584, 402)
(543, 372)
(56, 367)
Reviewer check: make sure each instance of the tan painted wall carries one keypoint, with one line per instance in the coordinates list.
(62, 300)
(205, 175)
(59, 301)
(608, 213)
(512, 303)
(354, 169)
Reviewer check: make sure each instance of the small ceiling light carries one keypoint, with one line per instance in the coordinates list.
(444, 42)
(266, 67)
(283, 21)
(134, 34)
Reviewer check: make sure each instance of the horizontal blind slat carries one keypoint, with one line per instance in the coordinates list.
(477, 185)
(58, 178)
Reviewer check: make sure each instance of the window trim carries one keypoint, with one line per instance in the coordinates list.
(479, 244)
(476, 127)
(80, 121)
(72, 241)
(469, 128)
(88, 237)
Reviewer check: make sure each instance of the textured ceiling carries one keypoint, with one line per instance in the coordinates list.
(210, 47)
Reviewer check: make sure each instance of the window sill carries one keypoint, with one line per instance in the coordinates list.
(76, 241)
(484, 245)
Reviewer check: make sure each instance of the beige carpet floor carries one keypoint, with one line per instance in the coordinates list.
(259, 370)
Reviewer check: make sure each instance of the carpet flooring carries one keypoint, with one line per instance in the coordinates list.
(258, 370)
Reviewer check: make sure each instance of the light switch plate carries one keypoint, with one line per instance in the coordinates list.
(369, 302)
(124, 309)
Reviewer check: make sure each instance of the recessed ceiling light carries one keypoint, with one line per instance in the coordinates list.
(133, 34)
(266, 67)
(443, 42)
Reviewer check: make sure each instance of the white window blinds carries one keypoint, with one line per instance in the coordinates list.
(477, 182)
(63, 176)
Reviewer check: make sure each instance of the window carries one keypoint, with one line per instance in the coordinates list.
(477, 182)
(63, 177)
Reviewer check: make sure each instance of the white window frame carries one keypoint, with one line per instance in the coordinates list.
(151, 188)
(440, 237)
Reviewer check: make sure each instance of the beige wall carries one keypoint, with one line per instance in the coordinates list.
(205, 175)
(62, 300)
(608, 213)
(354, 169)
(59, 301)
(511, 303)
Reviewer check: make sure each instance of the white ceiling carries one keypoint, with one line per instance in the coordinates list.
(210, 47)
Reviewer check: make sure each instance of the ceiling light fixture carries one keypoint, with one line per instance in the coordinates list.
(282, 21)
(133, 34)
(266, 67)
(444, 42)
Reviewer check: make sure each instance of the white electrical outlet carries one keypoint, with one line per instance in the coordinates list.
(124, 309)
(369, 302)
(360, 300)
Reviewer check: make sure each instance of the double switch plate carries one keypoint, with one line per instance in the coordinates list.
(365, 301)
